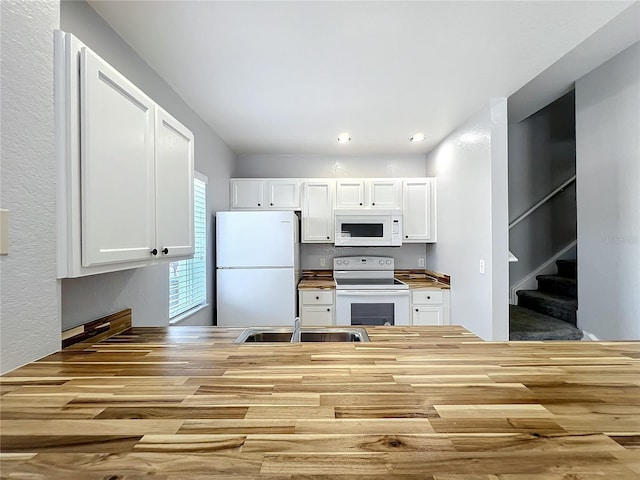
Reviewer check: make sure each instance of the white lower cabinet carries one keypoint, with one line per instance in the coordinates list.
(430, 306)
(316, 307)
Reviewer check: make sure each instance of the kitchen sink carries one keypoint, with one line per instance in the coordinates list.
(333, 335)
(309, 334)
(265, 335)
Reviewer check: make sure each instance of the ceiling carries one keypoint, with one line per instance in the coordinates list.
(288, 77)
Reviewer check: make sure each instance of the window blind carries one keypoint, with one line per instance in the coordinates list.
(188, 278)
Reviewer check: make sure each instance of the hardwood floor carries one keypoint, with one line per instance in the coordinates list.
(422, 402)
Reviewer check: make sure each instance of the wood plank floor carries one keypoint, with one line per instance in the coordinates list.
(421, 402)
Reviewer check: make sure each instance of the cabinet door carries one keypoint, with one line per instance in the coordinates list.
(418, 210)
(317, 212)
(349, 194)
(117, 166)
(317, 316)
(284, 193)
(384, 193)
(174, 187)
(421, 315)
(247, 193)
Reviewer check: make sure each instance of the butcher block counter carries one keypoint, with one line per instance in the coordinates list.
(323, 279)
(416, 402)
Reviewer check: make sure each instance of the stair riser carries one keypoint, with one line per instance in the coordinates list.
(569, 289)
(552, 308)
(567, 268)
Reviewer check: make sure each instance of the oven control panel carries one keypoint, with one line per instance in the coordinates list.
(363, 263)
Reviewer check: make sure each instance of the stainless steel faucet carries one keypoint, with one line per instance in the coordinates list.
(295, 337)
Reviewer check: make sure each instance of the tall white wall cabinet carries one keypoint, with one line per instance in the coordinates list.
(125, 170)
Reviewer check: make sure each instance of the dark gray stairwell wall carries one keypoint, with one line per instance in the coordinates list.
(541, 157)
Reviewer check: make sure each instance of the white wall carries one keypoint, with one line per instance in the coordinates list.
(471, 167)
(29, 292)
(608, 197)
(330, 166)
(145, 290)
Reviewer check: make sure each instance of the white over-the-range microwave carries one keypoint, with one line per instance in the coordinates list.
(368, 228)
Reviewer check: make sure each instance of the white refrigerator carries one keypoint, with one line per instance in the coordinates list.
(258, 269)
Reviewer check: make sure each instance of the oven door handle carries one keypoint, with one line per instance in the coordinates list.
(372, 293)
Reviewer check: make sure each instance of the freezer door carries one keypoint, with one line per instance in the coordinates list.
(256, 297)
(256, 239)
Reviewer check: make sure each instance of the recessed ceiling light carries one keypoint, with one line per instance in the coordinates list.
(418, 137)
(344, 137)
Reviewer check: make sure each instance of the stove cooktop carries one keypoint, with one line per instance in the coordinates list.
(370, 284)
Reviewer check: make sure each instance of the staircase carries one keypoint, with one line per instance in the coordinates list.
(548, 313)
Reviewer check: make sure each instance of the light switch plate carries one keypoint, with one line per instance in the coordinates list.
(4, 231)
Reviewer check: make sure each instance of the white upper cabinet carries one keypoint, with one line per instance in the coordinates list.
(117, 162)
(349, 193)
(384, 193)
(174, 187)
(261, 193)
(419, 210)
(247, 193)
(283, 193)
(125, 170)
(317, 211)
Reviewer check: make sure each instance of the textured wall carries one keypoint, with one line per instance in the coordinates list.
(29, 297)
(145, 290)
(330, 166)
(608, 178)
(471, 167)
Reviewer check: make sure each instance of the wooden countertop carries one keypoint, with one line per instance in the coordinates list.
(416, 402)
(323, 280)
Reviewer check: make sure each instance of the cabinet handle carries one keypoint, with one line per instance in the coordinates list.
(154, 251)
(360, 203)
(271, 204)
(259, 205)
(328, 309)
(406, 236)
(416, 309)
(328, 238)
(165, 250)
(317, 298)
(372, 203)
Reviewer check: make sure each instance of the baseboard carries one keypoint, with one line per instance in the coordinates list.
(589, 337)
(547, 268)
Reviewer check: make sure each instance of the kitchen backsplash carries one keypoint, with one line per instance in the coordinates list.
(406, 256)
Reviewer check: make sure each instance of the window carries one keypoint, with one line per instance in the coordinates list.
(188, 278)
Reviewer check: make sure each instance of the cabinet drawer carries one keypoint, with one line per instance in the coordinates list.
(317, 316)
(315, 297)
(427, 297)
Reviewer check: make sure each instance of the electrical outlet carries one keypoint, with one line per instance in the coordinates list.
(421, 262)
(481, 266)
(323, 261)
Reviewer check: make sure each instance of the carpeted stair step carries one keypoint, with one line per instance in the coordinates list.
(556, 306)
(558, 285)
(567, 268)
(525, 324)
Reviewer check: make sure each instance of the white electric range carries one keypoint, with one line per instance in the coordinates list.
(367, 292)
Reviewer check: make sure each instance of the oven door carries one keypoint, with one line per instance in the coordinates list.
(354, 230)
(372, 307)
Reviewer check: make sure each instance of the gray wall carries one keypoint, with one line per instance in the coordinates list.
(471, 167)
(541, 158)
(339, 166)
(145, 290)
(29, 291)
(608, 172)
